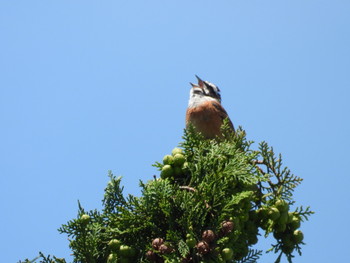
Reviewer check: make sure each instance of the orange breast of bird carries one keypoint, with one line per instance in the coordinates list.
(206, 119)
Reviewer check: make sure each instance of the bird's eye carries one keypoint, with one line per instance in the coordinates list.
(197, 91)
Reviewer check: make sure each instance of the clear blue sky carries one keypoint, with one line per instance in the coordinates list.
(92, 86)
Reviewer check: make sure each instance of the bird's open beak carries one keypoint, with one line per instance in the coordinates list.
(193, 85)
(200, 82)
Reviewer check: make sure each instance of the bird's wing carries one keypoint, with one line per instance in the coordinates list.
(223, 114)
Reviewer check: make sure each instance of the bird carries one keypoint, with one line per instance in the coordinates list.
(205, 112)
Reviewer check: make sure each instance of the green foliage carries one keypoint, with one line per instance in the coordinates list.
(215, 196)
(45, 259)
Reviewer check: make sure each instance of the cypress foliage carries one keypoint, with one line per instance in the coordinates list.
(210, 203)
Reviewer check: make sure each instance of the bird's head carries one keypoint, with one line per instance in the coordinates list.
(208, 88)
(196, 90)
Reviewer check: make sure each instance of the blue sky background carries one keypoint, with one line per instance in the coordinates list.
(92, 86)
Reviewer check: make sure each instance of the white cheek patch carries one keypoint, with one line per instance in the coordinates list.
(198, 99)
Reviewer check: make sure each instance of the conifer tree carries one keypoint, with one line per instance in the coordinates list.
(210, 202)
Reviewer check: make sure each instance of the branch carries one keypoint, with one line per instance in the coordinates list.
(256, 163)
(193, 190)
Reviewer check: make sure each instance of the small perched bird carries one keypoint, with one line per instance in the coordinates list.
(205, 111)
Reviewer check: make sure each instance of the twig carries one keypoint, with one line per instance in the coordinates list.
(188, 188)
(256, 163)
(193, 190)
